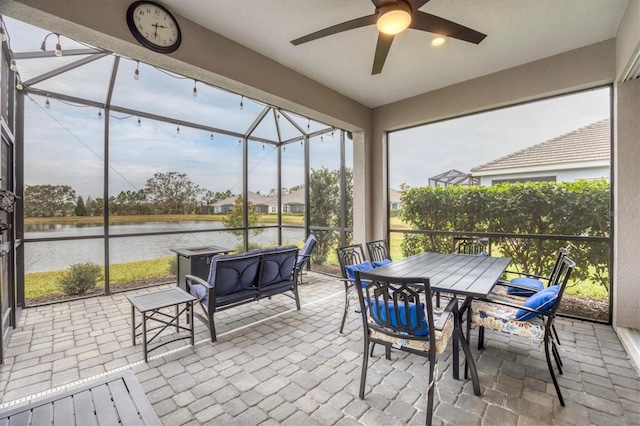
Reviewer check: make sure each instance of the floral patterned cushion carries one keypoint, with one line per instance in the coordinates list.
(500, 292)
(502, 318)
(442, 337)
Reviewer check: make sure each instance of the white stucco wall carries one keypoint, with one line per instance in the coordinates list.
(561, 175)
(626, 272)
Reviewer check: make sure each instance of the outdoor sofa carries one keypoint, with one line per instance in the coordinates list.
(235, 279)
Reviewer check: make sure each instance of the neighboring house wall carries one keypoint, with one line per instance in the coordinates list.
(570, 175)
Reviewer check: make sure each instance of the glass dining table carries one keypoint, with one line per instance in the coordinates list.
(465, 276)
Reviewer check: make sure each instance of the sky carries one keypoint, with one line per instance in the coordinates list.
(64, 143)
(419, 153)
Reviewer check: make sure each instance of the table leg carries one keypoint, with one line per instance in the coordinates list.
(470, 363)
(144, 336)
(190, 319)
(178, 318)
(133, 324)
(456, 345)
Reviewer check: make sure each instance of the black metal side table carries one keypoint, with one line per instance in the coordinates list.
(150, 305)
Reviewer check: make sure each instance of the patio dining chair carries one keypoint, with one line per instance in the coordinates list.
(517, 290)
(379, 252)
(471, 245)
(351, 258)
(305, 256)
(527, 284)
(534, 319)
(398, 313)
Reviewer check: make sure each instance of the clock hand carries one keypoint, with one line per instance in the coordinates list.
(155, 34)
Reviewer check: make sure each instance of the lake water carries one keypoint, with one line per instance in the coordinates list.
(57, 255)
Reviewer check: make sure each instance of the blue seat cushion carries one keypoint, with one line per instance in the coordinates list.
(379, 263)
(199, 290)
(532, 283)
(363, 267)
(541, 301)
(400, 319)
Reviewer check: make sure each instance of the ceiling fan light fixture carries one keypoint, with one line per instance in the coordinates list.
(439, 40)
(394, 19)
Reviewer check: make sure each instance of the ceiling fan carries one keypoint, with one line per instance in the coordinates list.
(392, 17)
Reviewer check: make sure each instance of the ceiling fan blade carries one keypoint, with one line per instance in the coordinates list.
(345, 26)
(434, 24)
(382, 50)
(417, 4)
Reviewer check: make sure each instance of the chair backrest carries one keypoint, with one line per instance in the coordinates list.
(378, 250)
(277, 265)
(562, 253)
(471, 245)
(306, 250)
(400, 308)
(565, 267)
(350, 255)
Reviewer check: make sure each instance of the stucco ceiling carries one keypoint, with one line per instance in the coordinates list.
(518, 32)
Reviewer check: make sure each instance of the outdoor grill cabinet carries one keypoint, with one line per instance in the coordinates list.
(195, 261)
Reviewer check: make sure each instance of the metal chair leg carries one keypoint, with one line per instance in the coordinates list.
(365, 362)
(556, 356)
(430, 392)
(346, 312)
(553, 376)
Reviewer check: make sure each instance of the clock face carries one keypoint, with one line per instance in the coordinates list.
(154, 26)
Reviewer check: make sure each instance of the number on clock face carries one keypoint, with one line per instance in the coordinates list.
(155, 25)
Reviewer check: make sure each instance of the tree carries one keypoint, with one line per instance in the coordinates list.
(172, 193)
(234, 218)
(80, 209)
(94, 207)
(49, 200)
(129, 203)
(211, 197)
(324, 208)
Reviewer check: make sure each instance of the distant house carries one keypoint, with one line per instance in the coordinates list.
(224, 206)
(292, 202)
(394, 199)
(581, 154)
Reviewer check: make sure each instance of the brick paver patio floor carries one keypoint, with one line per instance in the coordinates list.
(275, 365)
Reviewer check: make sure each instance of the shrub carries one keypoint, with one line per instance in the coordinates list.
(173, 266)
(80, 278)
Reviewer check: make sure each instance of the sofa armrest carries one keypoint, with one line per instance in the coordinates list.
(192, 279)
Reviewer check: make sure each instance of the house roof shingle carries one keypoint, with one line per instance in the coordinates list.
(586, 144)
(255, 199)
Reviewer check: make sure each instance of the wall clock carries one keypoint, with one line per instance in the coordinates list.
(154, 26)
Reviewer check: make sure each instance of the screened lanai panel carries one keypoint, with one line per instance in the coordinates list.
(306, 124)
(89, 81)
(46, 262)
(263, 174)
(267, 129)
(293, 169)
(33, 68)
(287, 129)
(63, 167)
(170, 95)
(156, 170)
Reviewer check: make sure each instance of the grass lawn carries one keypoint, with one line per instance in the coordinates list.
(44, 283)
